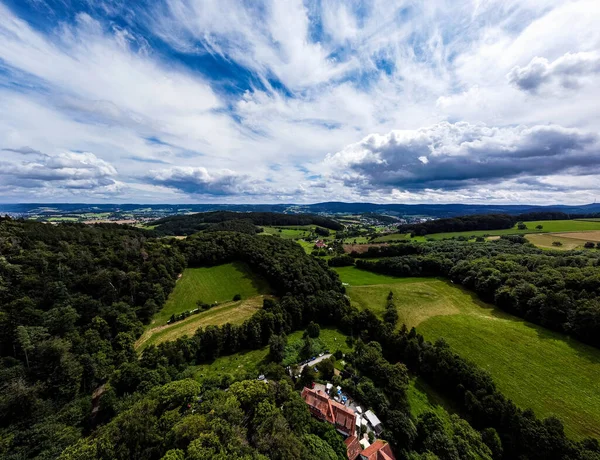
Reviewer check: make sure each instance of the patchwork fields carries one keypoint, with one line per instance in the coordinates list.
(535, 367)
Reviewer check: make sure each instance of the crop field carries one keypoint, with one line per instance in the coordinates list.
(209, 285)
(545, 240)
(246, 363)
(549, 226)
(230, 312)
(536, 368)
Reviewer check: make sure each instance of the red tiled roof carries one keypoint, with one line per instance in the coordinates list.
(353, 447)
(332, 411)
(379, 450)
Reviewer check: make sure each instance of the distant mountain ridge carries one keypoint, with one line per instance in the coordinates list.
(331, 207)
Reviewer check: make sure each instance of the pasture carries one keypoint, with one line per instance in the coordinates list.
(537, 368)
(209, 285)
(230, 312)
(548, 226)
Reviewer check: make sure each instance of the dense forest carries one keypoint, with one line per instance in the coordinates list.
(192, 223)
(559, 290)
(74, 298)
(478, 222)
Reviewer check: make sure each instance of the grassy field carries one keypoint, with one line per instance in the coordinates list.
(536, 368)
(210, 284)
(247, 363)
(230, 312)
(355, 277)
(545, 240)
(549, 226)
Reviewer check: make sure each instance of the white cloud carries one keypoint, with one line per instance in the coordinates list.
(330, 73)
(568, 71)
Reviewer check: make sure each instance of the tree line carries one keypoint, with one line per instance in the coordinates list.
(191, 223)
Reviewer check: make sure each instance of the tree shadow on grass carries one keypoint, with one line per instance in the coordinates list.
(260, 284)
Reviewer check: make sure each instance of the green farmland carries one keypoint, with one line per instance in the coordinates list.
(209, 285)
(548, 226)
(535, 367)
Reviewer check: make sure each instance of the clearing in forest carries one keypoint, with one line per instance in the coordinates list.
(229, 312)
(209, 285)
(537, 368)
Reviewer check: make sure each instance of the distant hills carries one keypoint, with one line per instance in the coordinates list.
(331, 207)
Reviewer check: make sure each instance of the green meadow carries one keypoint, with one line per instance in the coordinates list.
(537, 368)
(209, 285)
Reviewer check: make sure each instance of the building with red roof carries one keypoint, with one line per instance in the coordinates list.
(353, 447)
(324, 408)
(379, 450)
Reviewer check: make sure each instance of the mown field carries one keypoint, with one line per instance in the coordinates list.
(536, 368)
(209, 285)
(548, 226)
(229, 312)
(546, 240)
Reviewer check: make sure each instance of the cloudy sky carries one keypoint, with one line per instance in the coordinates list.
(253, 101)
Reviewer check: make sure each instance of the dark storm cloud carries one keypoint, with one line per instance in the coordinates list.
(461, 155)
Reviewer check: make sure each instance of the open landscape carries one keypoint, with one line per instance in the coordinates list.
(537, 368)
(299, 230)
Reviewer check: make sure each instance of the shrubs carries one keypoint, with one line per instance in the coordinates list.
(341, 261)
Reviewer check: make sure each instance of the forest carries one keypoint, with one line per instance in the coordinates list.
(74, 298)
(192, 223)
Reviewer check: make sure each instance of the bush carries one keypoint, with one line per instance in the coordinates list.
(237, 297)
(556, 243)
(589, 245)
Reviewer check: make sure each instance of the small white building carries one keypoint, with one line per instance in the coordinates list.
(374, 422)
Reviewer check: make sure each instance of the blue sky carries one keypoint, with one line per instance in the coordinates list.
(289, 101)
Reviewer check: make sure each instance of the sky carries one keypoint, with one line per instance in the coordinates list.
(289, 101)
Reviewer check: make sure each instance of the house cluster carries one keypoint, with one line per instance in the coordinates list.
(320, 244)
(348, 420)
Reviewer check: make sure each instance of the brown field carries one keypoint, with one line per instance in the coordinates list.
(360, 248)
(593, 235)
(545, 240)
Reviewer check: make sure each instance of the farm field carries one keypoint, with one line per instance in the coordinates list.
(210, 284)
(247, 363)
(545, 240)
(536, 368)
(549, 226)
(355, 277)
(230, 312)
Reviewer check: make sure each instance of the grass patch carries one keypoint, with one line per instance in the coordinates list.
(356, 277)
(548, 226)
(210, 284)
(536, 368)
(230, 312)
(246, 364)
(423, 398)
